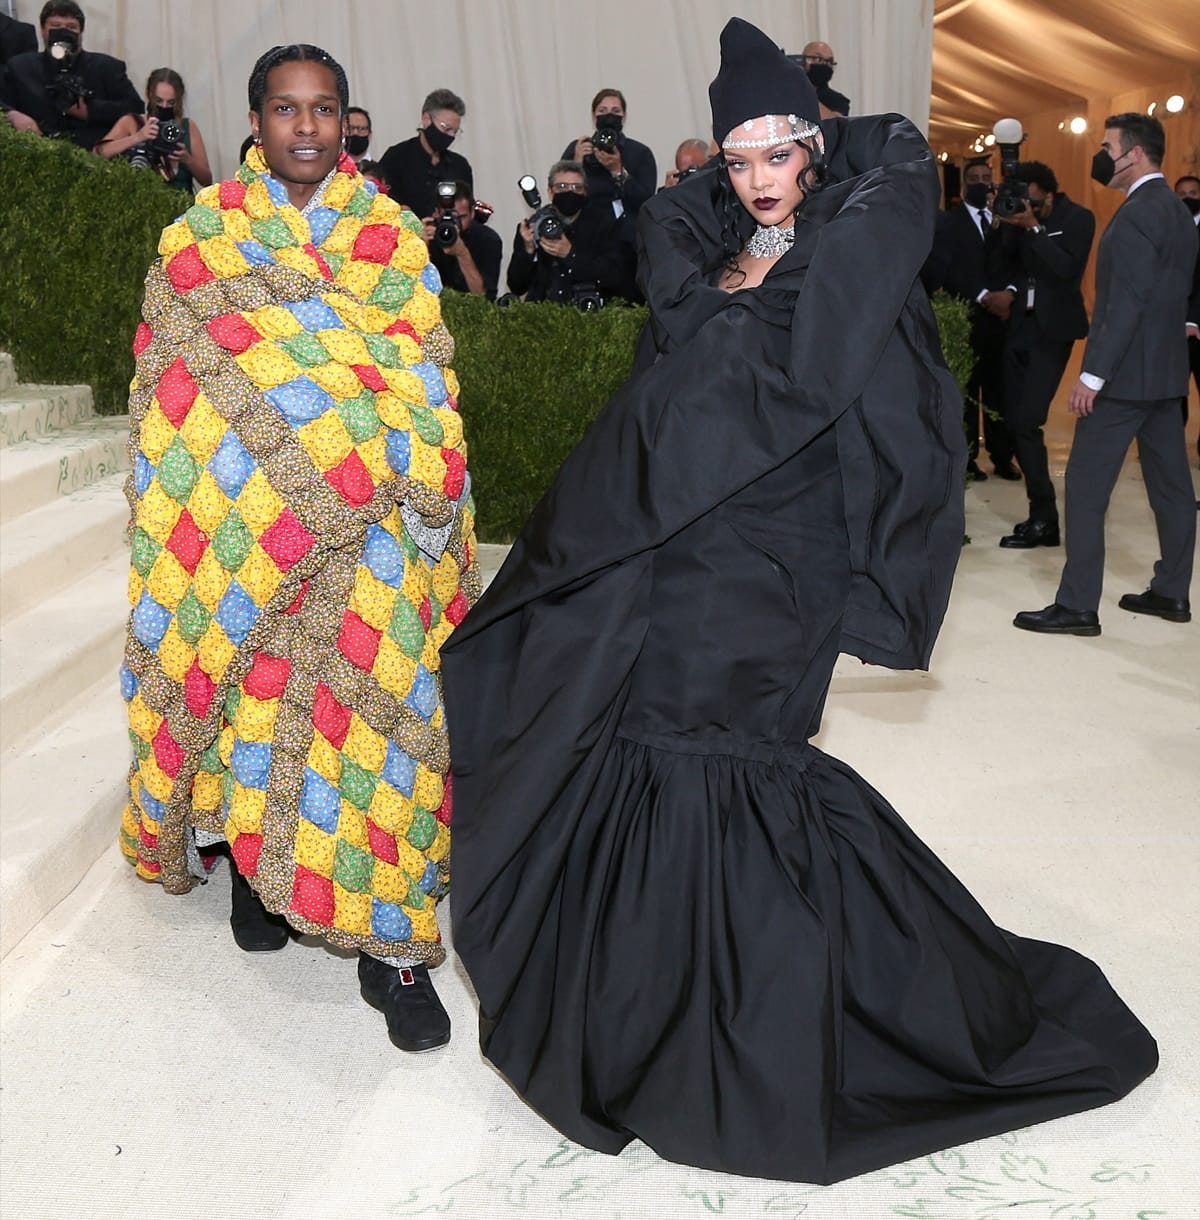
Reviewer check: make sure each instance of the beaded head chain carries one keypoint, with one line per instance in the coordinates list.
(796, 129)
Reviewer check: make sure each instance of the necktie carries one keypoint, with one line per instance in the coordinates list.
(985, 222)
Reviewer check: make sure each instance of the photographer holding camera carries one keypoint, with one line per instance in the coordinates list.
(1046, 244)
(413, 168)
(65, 90)
(167, 142)
(620, 171)
(566, 251)
(467, 254)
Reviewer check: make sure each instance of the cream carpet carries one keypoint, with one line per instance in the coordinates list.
(149, 1069)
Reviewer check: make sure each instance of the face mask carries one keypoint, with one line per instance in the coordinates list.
(611, 122)
(1104, 168)
(62, 45)
(164, 114)
(357, 145)
(977, 194)
(820, 75)
(568, 203)
(438, 139)
(1039, 208)
(1192, 204)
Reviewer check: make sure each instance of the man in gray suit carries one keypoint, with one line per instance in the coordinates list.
(1135, 369)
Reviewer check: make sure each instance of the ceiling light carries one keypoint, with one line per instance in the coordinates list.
(989, 139)
(1063, 125)
(1078, 125)
(1152, 108)
(1174, 103)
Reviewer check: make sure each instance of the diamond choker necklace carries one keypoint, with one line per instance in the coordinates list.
(770, 241)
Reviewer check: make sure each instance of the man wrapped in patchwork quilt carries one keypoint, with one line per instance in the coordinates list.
(302, 547)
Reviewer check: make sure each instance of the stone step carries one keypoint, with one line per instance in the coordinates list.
(65, 644)
(60, 806)
(8, 372)
(49, 548)
(30, 411)
(35, 472)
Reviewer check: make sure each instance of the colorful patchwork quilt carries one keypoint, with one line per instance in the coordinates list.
(302, 546)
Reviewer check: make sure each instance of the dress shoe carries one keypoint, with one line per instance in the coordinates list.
(255, 929)
(416, 1020)
(1059, 620)
(1029, 534)
(1173, 609)
(1006, 470)
(975, 473)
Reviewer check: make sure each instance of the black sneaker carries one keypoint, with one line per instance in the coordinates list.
(255, 929)
(416, 1019)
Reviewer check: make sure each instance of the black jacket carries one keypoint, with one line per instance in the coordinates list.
(1144, 271)
(412, 176)
(966, 263)
(486, 248)
(595, 259)
(16, 37)
(1054, 261)
(642, 182)
(23, 83)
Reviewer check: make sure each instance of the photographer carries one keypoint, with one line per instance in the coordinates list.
(620, 172)
(1046, 245)
(580, 264)
(167, 142)
(414, 167)
(466, 253)
(690, 156)
(358, 134)
(65, 90)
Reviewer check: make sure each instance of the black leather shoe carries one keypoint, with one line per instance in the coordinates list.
(416, 1020)
(255, 929)
(1173, 609)
(1029, 534)
(975, 473)
(1006, 470)
(1059, 620)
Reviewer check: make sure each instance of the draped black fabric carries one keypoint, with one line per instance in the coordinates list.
(684, 923)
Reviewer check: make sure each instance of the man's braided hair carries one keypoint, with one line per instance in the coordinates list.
(296, 52)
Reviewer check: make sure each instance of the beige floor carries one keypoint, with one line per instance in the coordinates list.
(150, 1069)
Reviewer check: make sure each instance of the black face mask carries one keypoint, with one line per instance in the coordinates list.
(438, 139)
(62, 46)
(977, 194)
(1040, 207)
(820, 75)
(357, 145)
(1192, 203)
(1104, 168)
(609, 122)
(568, 203)
(164, 114)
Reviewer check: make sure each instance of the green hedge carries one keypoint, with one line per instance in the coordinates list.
(77, 234)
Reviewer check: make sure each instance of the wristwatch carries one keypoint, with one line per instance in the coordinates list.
(1038, 230)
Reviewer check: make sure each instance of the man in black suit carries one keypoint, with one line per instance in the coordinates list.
(1135, 369)
(968, 255)
(16, 37)
(1047, 247)
(1188, 189)
(65, 90)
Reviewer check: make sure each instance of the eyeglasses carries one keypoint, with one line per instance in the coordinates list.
(818, 59)
(448, 128)
(358, 129)
(576, 188)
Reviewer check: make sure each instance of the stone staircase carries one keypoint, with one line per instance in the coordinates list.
(64, 753)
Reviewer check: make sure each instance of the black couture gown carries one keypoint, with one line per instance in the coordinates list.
(686, 924)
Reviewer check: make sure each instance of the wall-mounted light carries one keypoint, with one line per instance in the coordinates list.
(1063, 125)
(1152, 108)
(1078, 125)
(943, 156)
(989, 139)
(1174, 103)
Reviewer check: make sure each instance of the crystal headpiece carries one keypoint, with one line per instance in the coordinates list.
(797, 129)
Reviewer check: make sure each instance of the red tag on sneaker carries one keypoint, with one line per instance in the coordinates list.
(406, 976)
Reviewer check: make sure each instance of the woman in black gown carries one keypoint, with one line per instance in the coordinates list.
(685, 924)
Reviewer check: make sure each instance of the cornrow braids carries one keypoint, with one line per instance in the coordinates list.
(296, 52)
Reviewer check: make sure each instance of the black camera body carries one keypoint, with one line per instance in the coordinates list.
(1012, 195)
(546, 222)
(65, 88)
(447, 224)
(608, 128)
